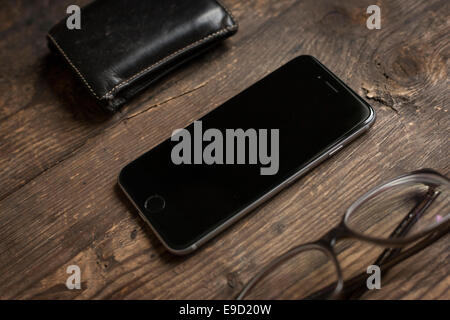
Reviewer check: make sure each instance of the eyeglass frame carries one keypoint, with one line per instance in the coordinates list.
(390, 257)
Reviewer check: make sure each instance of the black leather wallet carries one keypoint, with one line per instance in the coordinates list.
(123, 46)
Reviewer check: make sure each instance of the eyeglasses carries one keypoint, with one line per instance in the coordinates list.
(407, 214)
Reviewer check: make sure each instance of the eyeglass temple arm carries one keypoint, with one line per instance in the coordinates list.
(355, 282)
(385, 267)
(402, 229)
(353, 289)
(407, 223)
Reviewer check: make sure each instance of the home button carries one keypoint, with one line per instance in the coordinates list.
(155, 203)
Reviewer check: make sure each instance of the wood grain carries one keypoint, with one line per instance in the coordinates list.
(59, 158)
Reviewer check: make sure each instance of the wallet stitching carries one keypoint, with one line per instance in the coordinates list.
(125, 82)
(73, 65)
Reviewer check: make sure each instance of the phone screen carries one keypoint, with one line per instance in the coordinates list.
(310, 109)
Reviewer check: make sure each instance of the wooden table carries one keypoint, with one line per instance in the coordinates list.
(59, 160)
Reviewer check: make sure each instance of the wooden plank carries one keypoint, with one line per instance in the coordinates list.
(72, 212)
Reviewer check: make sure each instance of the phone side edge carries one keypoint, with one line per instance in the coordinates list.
(364, 126)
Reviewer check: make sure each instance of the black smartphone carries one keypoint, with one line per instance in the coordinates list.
(209, 174)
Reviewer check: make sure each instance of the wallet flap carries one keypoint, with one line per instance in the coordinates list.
(120, 42)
